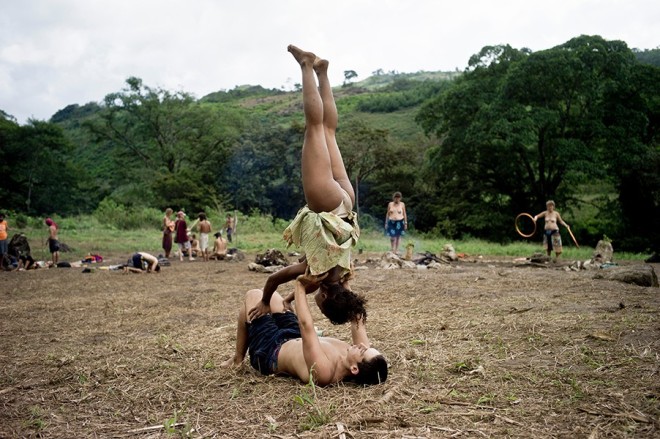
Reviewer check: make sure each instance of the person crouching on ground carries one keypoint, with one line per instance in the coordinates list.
(142, 262)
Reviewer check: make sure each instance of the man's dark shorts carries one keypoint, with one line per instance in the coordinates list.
(137, 261)
(53, 245)
(265, 337)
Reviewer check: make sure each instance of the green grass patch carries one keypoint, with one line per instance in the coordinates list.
(256, 233)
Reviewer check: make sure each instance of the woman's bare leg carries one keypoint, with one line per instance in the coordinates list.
(322, 192)
(330, 120)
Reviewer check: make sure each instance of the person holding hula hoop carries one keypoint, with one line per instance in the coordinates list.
(551, 236)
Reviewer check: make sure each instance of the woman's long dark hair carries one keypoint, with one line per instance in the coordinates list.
(342, 305)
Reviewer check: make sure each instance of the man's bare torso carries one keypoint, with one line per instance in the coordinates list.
(291, 359)
(204, 227)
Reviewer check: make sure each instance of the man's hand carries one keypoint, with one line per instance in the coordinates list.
(261, 309)
(311, 282)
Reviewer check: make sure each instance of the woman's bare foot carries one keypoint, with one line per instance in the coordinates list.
(301, 56)
(321, 66)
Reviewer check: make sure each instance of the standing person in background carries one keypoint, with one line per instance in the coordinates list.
(182, 239)
(4, 227)
(168, 228)
(396, 221)
(551, 235)
(204, 227)
(53, 242)
(229, 226)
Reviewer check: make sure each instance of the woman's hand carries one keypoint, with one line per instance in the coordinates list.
(261, 309)
(287, 302)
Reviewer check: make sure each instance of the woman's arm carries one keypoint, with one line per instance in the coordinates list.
(561, 221)
(272, 283)
(540, 215)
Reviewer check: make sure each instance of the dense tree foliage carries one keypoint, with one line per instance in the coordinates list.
(166, 147)
(648, 56)
(37, 176)
(520, 128)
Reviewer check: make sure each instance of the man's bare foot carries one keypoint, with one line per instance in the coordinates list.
(321, 66)
(301, 56)
(230, 363)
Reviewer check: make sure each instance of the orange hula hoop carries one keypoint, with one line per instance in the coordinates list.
(518, 229)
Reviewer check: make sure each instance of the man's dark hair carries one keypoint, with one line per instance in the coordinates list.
(202, 216)
(371, 372)
(342, 305)
(157, 268)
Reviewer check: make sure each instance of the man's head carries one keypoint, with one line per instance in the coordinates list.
(217, 234)
(2, 216)
(367, 365)
(202, 216)
(339, 304)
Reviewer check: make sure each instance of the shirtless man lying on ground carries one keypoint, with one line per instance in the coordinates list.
(282, 342)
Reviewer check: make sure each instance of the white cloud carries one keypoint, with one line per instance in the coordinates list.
(58, 52)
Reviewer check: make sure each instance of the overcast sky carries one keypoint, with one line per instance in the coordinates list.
(54, 53)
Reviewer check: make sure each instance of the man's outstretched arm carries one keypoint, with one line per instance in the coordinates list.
(315, 359)
(359, 332)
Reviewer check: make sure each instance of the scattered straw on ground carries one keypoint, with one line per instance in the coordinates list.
(479, 349)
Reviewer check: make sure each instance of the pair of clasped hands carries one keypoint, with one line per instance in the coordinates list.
(308, 282)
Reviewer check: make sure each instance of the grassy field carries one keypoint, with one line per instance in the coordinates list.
(86, 235)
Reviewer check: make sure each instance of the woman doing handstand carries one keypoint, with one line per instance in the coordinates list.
(326, 228)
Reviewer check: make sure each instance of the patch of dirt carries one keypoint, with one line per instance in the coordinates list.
(480, 348)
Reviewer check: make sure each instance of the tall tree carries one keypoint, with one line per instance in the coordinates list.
(160, 140)
(38, 175)
(519, 128)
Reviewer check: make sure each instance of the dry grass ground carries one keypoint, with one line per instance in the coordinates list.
(479, 349)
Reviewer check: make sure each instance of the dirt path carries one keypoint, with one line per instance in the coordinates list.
(478, 349)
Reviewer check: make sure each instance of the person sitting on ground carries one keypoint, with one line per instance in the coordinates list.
(194, 246)
(142, 262)
(551, 235)
(326, 228)
(219, 247)
(286, 343)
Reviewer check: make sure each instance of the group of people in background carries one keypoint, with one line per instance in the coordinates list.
(20, 256)
(177, 231)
